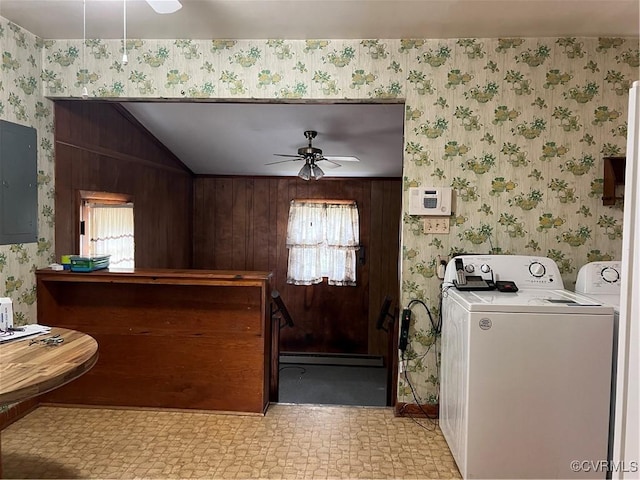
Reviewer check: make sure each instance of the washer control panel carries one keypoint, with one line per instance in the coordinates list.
(600, 278)
(536, 269)
(525, 271)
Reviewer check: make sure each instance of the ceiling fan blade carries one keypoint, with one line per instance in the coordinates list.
(341, 159)
(165, 6)
(291, 156)
(283, 161)
(329, 164)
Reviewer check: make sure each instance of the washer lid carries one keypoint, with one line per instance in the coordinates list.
(607, 299)
(530, 301)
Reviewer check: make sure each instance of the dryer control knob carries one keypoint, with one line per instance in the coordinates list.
(610, 275)
(484, 268)
(469, 268)
(537, 269)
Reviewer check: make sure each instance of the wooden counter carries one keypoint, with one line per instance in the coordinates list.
(192, 339)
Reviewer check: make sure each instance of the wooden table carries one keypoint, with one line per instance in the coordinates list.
(27, 370)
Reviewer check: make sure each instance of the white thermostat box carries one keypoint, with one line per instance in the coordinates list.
(6, 314)
(430, 201)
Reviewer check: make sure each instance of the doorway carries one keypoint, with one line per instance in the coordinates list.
(242, 205)
(339, 379)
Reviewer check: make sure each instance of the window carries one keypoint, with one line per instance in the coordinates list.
(322, 238)
(107, 227)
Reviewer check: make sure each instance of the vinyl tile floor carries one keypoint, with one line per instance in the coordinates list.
(289, 442)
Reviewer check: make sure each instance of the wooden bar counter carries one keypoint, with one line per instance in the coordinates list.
(188, 339)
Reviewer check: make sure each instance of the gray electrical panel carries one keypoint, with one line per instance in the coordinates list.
(18, 184)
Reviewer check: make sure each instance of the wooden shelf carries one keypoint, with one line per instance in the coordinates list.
(614, 168)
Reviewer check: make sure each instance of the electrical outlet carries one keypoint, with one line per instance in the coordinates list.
(436, 225)
(403, 340)
(441, 267)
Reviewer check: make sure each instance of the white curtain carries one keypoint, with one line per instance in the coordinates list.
(111, 232)
(322, 239)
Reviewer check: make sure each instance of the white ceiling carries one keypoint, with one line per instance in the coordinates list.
(241, 138)
(196, 132)
(328, 19)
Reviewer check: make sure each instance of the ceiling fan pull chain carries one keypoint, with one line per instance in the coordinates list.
(125, 58)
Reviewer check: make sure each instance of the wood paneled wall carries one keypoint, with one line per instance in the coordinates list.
(100, 147)
(240, 224)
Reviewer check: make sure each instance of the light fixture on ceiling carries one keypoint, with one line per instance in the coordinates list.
(311, 155)
(310, 170)
(85, 92)
(165, 6)
(125, 59)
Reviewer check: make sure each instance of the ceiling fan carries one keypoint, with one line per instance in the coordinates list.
(311, 155)
(165, 6)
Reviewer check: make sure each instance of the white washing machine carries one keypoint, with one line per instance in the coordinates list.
(602, 281)
(524, 374)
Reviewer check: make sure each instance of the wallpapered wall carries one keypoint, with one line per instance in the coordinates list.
(518, 127)
(22, 102)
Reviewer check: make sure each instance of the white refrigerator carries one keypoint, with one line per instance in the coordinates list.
(626, 447)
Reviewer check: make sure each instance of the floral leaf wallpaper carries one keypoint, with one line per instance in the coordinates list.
(22, 102)
(518, 127)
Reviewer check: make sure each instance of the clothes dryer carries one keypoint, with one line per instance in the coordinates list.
(602, 281)
(522, 372)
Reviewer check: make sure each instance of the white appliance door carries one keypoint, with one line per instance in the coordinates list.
(626, 447)
(538, 395)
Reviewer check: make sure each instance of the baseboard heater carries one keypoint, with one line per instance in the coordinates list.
(338, 359)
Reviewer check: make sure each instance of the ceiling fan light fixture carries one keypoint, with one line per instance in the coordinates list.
(311, 155)
(316, 172)
(165, 6)
(305, 172)
(310, 170)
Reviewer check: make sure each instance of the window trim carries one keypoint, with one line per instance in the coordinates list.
(325, 200)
